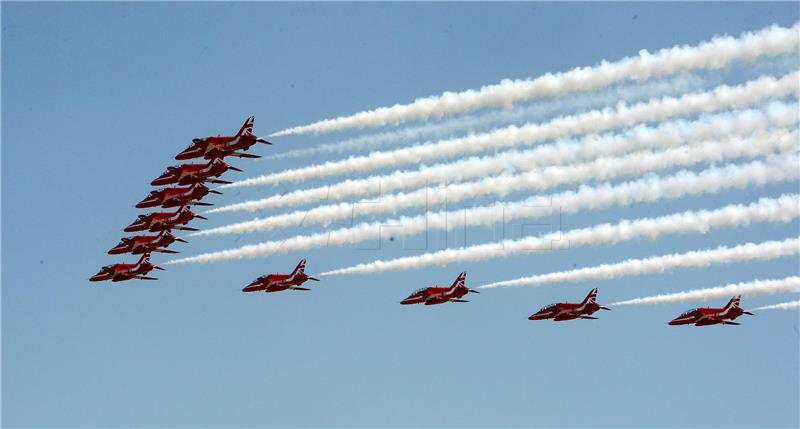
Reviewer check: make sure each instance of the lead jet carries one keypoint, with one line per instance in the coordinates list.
(222, 146)
(570, 310)
(279, 282)
(704, 316)
(440, 294)
(177, 196)
(188, 174)
(162, 221)
(146, 244)
(121, 272)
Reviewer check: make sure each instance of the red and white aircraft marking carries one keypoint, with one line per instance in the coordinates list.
(162, 221)
(570, 310)
(187, 174)
(440, 294)
(177, 196)
(121, 272)
(222, 146)
(704, 316)
(146, 244)
(279, 282)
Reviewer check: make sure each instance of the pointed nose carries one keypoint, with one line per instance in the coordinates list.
(119, 248)
(136, 226)
(97, 277)
(161, 180)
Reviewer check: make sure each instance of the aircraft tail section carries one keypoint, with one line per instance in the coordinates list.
(460, 281)
(247, 127)
(734, 302)
(591, 297)
(300, 268)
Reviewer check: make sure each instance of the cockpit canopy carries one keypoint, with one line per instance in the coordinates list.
(688, 313)
(548, 307)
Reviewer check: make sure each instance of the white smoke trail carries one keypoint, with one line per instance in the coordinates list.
(711, 55)
(561, 105)
(645, 190)
(757, 287)
(721, 97)
(791, 305)
(782, 209)
(668, 134)
(658, 264)
(538, 180)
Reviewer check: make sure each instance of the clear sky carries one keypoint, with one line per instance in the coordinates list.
(98, 97)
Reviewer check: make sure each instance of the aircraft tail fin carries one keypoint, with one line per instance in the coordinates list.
(300, 268)
(590, 297)
(460, 280)
(734, 302)
(247, 127)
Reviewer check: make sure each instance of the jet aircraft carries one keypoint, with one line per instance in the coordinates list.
(279, 282)
(704, 316)
(440, 294)
(570, 310)
(177, 196)
(161, 221)
(121, 272)
(222, 146)
(146, 244)
(187, 174)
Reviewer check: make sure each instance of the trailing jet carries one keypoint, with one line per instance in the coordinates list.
(279, 282)
(162, 221)
(146, 244)
(222, 146)
(704, 316)
(187, 174)
(440, 294)
(120, 272)
(177, 196)
(570, 310)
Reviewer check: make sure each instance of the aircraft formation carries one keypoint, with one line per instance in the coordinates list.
(188, 187)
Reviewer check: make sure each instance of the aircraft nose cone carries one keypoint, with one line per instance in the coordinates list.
(97, 277)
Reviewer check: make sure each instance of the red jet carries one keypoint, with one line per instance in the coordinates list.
(146, 244)
(177, 196)
(704, 316)
(440, 294)
(222, 146)
(120, 272)
(162, 221)
(279, 282)
(570, 310)
(188, 174)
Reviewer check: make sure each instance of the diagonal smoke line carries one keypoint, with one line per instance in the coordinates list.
(659, 264)
(756, 287)
(631, 92)
(564, 151)
(717, 53)
(782, 209)
(643, 190)
(791, 305)
(622, 115)
(538, 180)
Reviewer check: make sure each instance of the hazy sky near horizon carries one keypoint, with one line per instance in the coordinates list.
(97, 98)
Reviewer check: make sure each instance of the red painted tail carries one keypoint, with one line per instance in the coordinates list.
(591, 297)
(247, 127)
(300, 267)
(734, 302)
(460, 281)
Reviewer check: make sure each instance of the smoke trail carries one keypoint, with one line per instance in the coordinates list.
(561, 105)
(791, 305)
(782, 209)
(715, 54)
(721, 97)
(500, 186)
(757, 287)
(563, 151)
(658, 264)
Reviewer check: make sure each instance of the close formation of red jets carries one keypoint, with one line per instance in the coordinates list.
(191, 180)
(191, 187)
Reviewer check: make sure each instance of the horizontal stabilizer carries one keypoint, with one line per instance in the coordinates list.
(244, 155)
(730, 323)
(588, 317)
(313, 278)
(200, 203)
(300, 288)
(186, 228)
(165, 251)
(459, 300)
(218, 181)
(145, 278)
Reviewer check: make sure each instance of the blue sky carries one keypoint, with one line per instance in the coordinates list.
(98, 97)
